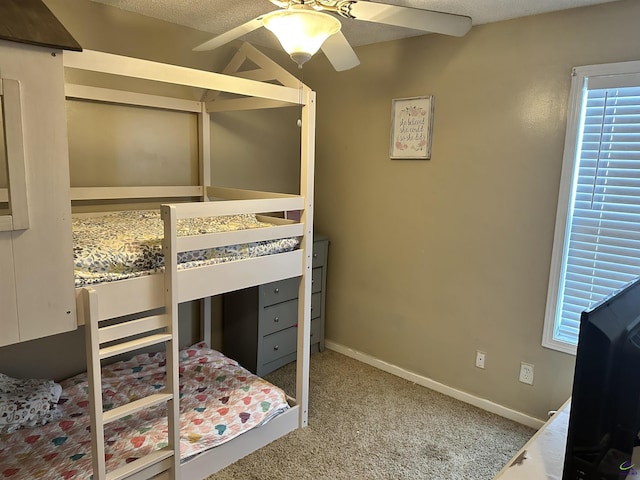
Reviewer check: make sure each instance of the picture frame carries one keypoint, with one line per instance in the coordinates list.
(411, 128)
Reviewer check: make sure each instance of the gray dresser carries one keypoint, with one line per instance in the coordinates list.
(260, 323)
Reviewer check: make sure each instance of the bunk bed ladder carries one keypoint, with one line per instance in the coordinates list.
(104, 342)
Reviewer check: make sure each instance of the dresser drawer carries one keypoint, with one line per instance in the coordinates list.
(280, 291)
(279, 316)
(319, 254)
(316, 305)
(279, 344)
(316, 280)
(315, 331)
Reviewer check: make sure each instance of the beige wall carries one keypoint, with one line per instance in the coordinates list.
(432, 260)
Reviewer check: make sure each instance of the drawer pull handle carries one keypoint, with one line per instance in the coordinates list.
(276, 290)
(315, 255)
(276, 348)
(276, 319)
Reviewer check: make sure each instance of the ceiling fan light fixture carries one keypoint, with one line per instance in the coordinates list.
(301, 31)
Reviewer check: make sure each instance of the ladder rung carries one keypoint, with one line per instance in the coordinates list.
(141, 463)
(134, 345)
(115, 332)
(159, 471)
(136, 406)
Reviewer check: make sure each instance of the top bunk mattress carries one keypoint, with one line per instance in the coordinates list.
(128, 244)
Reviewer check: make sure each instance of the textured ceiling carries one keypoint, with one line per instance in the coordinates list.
(218, 16)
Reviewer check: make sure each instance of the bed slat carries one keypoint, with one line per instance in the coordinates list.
(234, 207)
(128, 193)
(202, 242)
(134, 345)
(243, 194)
(136, 406)
(84, 92)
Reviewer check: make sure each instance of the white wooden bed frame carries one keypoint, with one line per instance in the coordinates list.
(97, 303)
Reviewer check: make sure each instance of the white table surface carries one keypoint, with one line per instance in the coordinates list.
(542, 457)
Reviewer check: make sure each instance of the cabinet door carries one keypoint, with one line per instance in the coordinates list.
(41, 240)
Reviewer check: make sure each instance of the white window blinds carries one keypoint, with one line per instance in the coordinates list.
(601, 248)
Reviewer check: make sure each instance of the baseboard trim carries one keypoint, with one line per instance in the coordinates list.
(437, 386)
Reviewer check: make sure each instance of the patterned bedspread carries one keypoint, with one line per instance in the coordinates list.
(128, 244)
(219, 400)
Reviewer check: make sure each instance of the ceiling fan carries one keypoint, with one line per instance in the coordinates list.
(303, 27)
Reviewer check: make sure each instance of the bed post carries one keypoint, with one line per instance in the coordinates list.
(204, 160)
(204, 150)
(169, 245)
(89, 301)
(307, 156)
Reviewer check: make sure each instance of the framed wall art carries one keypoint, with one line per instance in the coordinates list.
(411, 126)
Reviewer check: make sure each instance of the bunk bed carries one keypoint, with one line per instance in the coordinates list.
(124, 315)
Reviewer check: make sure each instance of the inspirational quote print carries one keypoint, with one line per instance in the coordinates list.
(411, 127)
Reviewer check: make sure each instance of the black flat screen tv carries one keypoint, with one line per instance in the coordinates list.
(604, 420)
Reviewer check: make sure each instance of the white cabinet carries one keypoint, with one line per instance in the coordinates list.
(36, 250)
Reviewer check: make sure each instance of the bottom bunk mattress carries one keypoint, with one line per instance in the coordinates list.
(219, 400)
(127, 244)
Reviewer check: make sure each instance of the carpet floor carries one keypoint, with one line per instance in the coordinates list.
(367, 424)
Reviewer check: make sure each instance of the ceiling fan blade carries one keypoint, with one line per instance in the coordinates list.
(415, 18)
(339, 52)
(230, 35)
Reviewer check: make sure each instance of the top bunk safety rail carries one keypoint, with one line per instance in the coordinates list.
(261, 207)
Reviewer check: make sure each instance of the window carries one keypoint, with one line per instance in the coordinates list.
(596, 248)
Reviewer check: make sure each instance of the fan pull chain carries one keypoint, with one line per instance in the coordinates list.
(300, 97)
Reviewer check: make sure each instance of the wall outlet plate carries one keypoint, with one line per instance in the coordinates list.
(480, 359)
(526, 373)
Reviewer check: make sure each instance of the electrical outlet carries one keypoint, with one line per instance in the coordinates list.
(480, 359)
(526, 373)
